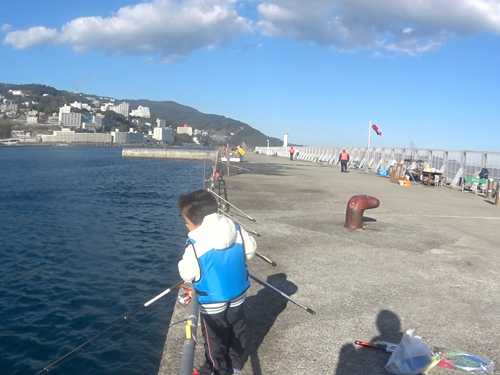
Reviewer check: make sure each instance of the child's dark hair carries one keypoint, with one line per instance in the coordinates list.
(197, 205)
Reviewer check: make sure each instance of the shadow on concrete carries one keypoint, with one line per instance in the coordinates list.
(260, 320)
(368, 219)
(490, 202)
(367, 361)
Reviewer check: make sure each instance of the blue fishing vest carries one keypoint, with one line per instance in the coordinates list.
(224, 274)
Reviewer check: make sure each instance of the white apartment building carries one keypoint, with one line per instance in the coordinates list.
(80, 105)
(122, 109)
(185, 130)
(71, 120)
(160, 123)
(163, 134)
(122, 137)
(141, 112)
(69, 136)
(64, 109)
(8, 107)
(32, 120)
(17, 93)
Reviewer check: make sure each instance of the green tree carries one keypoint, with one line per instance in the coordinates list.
(5, 129)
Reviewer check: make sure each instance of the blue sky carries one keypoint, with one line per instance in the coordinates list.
(426, 72)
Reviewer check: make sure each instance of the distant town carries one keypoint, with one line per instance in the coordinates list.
(91, 120)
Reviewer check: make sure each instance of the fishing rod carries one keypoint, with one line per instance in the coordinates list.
(382, 345)
(244, 226)
(240, 168)
(265, 258)
(226, 201)
(151, 301)
(260, 281)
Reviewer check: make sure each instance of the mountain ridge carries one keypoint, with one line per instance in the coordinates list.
(174, 113)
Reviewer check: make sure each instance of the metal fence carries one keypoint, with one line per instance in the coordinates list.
(455, 165)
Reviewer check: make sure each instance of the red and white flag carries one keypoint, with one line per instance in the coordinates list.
(377, 130)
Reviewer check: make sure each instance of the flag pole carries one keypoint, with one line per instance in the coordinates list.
(368, 148)
(369, 132)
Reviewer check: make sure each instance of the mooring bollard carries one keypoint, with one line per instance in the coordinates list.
(355, 208)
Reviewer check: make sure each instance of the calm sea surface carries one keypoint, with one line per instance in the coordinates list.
(86, 238)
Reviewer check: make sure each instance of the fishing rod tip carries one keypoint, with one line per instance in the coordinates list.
(310, 311)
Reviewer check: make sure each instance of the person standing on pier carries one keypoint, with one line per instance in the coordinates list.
(344, 159)
(240, 151)
(214, 261)
(292, 151)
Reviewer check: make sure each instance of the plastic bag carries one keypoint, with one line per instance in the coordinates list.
(468, 362)
(412, 356)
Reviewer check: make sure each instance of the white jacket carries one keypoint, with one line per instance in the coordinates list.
(217, 232)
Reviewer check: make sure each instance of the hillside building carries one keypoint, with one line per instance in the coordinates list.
(141, 112)
(69, 136)
(71, 120)
(32, 120)
(185, 130)
(122, 109)
(123, 137)
(17, 93)
(163, 134)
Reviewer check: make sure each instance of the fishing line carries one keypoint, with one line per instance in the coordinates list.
(151, 301)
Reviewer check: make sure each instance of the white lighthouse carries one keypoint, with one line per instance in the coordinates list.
(285, 140)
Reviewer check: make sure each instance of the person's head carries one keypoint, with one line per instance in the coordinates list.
(344, 150)
(195, 206)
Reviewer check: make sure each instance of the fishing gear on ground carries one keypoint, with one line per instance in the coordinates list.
(412, 356)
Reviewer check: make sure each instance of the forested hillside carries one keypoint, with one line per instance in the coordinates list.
(49, 99)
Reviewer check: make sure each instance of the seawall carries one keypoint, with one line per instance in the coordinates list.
(159, 153)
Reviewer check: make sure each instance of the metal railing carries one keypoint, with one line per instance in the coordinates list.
(452, 163)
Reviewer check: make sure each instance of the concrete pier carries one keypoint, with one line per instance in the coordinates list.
(160, 153)
(427, 259)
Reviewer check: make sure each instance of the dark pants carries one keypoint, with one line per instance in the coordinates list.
(225, 339)
(343, 165)
(291, 156)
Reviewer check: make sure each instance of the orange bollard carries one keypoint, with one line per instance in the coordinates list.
(355, 209)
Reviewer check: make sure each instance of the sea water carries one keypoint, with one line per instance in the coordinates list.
(86, 238)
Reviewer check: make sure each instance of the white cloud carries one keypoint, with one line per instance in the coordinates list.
(172, 29)
(36, 36)
(352, 24)
(6, 27)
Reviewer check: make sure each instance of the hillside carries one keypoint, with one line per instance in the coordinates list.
(50, 99)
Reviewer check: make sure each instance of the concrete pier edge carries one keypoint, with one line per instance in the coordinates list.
(168, 153)
(427, 259)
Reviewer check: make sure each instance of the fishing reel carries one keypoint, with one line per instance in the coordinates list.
(185, 298)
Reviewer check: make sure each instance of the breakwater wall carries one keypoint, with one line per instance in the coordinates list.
(454, 164)
(159, 153)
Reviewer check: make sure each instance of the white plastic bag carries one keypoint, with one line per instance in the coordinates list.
(412, 356)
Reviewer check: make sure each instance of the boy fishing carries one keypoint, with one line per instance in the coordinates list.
(214, 261)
